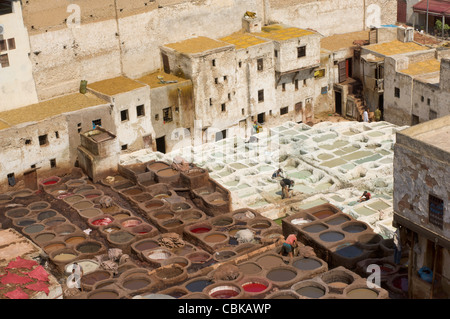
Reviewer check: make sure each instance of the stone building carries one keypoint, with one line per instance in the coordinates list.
(421, 204)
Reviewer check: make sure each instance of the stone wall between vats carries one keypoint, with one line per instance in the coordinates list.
(106, 44)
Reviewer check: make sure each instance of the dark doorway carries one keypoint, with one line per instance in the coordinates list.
(349, 67)
(161, 144)
(166, 65)
(261, 118)
(221, 135)
(338, 102)
(381, 105)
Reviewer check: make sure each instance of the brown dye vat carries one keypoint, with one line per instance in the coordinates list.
(182, 262)
(224, 255)
(39, 206)
(215, 238)
(233, 231)
(63, 256)
(4, 198)
(103, 294)
(323, 214)
(156, 166)
(109, 210)
(191, 217)
(75, 182)
(84, 188)
(177, 207)
(46, 214)
(163, 215)
(120, 237)
(125, 185)
(145, 244)
(121, 215)
(167, 172)
(153, 204)
(136, 283)
(249, 268)
(54, 246)
(169, 272)
(269, 261)
(91, 279)
(172, 223)
(44, 237)
(142, 229)
(73, 240)
(64, 229)
(132, 191)
(141, 198)
(17, 212)
(316, 228)
(198, 257)
(90, 213)
(83, 205)
(104, 283)
(362, 293)
(222, 221)
(22, 193)
(311, 291)
(182, 251)
(260, 224)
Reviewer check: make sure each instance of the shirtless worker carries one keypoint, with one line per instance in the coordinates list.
(289, 245)
(286, 185)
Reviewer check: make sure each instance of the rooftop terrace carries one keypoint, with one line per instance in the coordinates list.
(340, 41)
(422, 67)
(395, 47)
(279, 32)
(115, 86)
(196, 45)
(242, 40)
(153, 79)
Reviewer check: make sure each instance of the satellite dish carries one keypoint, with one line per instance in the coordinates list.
(2, 29)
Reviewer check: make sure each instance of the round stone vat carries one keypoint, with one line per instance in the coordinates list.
(83, 188)
(62, 257)
(131, 222)
(195, 295)
(46, 214)
(72, 199)
(90, 247)
(354, 227)
(121, 239)
(22, 193)
(186, 249)
(132, 191)
(107, 283)
(99, 221)
(74, 183)
(171, 274)
(181, 261)
(337, 280)
(255, 287)
(175, 292)
(54, 221)
(5, 198)
(172, 224)
(339, 219)
(84, 204)
(250, 268)
(310, 289)
(200, 228)
(331, 236)
(223, 255)
(282, 276)
(214, 238)
(121, 215)
(44, 237)
(307, 264)
(167, 175)
(283, 294)
(222, 221)
(88, 265)
(33, 229)
(323, 214)
(199, 257)
(192, 216)
(224, 291)
(136, 283)
(156, 166)
(197, 284)
(153, 204)
(50, 181)
(244, 215)
(53, 246)
(156, 256)
(64, 229)
(349, 250)
(88, 281)
(75, 239)
(144, 244)
(163, 215)
(105, 293)
(92, 194)
(259, 224)
(36, 206)
(23, 222)
(360, 293)
(142, 197)
(180, 207)
(111, 228)
(315, 228)
(387, 246)
(17, 212)
(90, 213)
(142, 230)
(270, 260)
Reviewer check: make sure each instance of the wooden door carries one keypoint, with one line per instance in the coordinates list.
(342, 71)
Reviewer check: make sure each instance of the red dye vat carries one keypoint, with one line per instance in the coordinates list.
(102, 221)
(200, 230)
(50, 182)
(224, 294)
(254, 287)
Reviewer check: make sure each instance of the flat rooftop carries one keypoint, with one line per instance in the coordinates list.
(280, 32)
(422, 67)
(153, 79)
(395, 47)
(341, 41)
(115, 86)
(242, 40)
(46, 109)
(196, 45)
